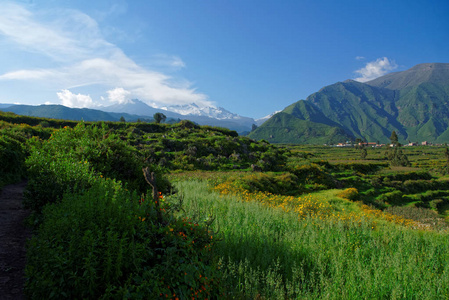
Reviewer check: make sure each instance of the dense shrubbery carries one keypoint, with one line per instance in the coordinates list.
(12, 158)
(102, 238)
(365, 168)
(284, 184)
(69, 160)
(107, 243)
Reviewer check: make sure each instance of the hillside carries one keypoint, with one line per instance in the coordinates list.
(414, 103)
(67, 113)
(286, 127)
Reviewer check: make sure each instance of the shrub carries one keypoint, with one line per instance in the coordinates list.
(108, 243)
(12, 158)
(394, 197)
(349, 193)
(69, 160)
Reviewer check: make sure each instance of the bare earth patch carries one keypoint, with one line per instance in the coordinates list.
(13, 236)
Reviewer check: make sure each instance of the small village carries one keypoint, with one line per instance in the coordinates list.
(378, 145)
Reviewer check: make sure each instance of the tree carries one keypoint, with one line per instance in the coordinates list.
(159, 117)
(122, 119)
(397, 157)
(363, 153)
(394, 138)
(446, 154)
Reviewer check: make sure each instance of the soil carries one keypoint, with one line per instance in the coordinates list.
(13, 237)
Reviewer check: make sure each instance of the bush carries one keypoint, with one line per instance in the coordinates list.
(394, 197)
(70, 159)
(349, 193)
(12, 158)
(284, 184)
(108, 243)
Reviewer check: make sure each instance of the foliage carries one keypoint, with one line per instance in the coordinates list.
(107, 243)
(12, 158)
(70, 159)
(349, 193)
(159, 117)
(396, 157)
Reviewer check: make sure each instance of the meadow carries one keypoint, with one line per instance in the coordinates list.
(231, 218)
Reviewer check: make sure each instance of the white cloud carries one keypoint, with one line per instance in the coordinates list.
(74, 100)
(73, 40)
(375, 69)
(28, 74)
(118, 95)
(359, 57)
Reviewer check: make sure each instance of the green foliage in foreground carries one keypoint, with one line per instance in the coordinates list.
(106, 244)
(72, 157)
(12, 158)
(267, 253)
(102, 238)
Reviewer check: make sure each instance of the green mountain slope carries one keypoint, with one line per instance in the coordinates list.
(414, 103)
(66, 113)
(286, 128)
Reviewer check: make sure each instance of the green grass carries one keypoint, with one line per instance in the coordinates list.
(268, 253)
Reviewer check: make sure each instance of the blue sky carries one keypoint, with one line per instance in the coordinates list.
(250, 57)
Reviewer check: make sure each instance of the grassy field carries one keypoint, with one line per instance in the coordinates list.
(267, 252)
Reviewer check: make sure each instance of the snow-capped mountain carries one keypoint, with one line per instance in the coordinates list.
(194, 110)
(202, 115)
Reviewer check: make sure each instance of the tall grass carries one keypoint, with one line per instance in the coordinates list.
(270, 253)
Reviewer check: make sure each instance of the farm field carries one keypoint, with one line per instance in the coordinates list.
(223, 216)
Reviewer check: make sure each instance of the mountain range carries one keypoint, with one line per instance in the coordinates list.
(134, 110)
(413, 103)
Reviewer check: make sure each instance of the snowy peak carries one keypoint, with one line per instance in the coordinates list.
(211, 112)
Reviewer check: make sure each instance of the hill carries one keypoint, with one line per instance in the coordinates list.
(67, 113)
(414, 103)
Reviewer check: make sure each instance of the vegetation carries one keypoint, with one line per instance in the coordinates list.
(234, 219)
(159, 117)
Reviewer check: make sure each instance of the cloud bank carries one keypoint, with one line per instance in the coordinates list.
(375, 69)
(72, 41)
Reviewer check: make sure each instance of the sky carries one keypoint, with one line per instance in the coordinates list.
(251, 57)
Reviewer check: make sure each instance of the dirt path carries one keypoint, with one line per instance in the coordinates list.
(13, 236)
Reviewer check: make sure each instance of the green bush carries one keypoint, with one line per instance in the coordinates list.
(285, 184)
(108, 243)
(349, 193)
(69, 160)
(314, 173)
(12, 158)
(395, 197)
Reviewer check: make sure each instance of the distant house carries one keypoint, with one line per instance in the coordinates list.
(344, 145)
(425, 143)
(368, 144)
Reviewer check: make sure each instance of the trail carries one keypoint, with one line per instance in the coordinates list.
(13, 236)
